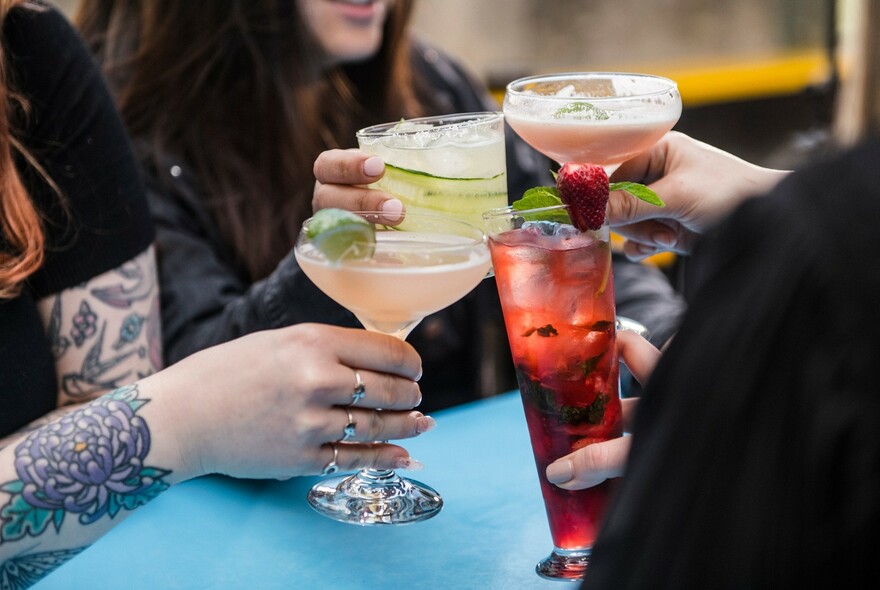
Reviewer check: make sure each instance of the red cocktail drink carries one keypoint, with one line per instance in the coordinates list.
(556, 290)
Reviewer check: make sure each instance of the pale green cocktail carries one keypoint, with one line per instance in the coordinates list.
(452, 165)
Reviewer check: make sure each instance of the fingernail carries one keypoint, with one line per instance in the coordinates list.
(392, 209)
(373, 166)
(408, 463)
(663, 239)
(424, 424)
(419, 376)
(560, 471)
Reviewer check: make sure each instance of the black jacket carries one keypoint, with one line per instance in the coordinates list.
(207, 299)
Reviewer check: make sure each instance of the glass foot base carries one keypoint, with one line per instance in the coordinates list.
(564, 565)
(375, 498)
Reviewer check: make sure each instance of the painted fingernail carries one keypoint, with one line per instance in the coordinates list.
(560, 471)
(408, 463)
(424, 424)
(392, 209)
(373, 166)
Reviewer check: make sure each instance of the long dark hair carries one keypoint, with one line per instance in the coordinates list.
(231, 87)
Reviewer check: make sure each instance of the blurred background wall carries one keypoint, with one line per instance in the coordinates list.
(506, 38)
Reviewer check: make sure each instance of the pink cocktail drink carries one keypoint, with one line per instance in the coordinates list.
(390, 279)
(606, 143)
(557, 295)
(602, 118)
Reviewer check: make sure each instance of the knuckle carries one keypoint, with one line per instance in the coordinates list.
(375, 423)
(319, 195)
(366, 199)
(355, 456)
(589, 459)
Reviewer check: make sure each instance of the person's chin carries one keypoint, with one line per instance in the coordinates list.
(352, 53)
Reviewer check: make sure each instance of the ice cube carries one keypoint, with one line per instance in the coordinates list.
(541, 228)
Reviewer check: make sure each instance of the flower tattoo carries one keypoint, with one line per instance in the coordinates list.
(84, 324)
(90, 463)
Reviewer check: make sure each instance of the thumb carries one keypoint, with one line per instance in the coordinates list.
(591, 465)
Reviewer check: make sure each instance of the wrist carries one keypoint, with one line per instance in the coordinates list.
(766, 180)
(172, 424)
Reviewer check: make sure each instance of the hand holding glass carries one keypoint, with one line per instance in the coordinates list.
(408, 275)
(450, 165)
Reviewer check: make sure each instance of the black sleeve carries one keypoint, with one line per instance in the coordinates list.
(754, 457)
(72, 129)
(205, 299)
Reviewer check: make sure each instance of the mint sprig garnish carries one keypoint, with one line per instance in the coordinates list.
(639, 191)
(540, 197)
(547, 196)
(581, 110)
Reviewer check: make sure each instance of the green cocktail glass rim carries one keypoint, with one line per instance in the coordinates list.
(450, 121)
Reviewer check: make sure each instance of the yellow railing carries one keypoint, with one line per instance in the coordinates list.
(737, 80)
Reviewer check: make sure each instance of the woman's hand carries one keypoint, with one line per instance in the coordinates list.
(700, 184)
(341, 177)
(597, 462)
(269, 404)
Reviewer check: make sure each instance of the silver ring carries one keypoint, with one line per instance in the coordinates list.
(350, 429)
(331, 467)
(359, 390)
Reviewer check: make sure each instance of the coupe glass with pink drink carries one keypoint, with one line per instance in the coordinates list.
(592, 117)
(556, 285)
(390, 283)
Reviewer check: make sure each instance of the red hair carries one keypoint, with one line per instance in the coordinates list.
(19, 219)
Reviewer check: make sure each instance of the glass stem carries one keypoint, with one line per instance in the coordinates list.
(376, 476)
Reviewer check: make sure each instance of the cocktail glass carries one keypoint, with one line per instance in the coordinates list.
(602, 118)
(451, 165)
(557, 295)
(409, 275)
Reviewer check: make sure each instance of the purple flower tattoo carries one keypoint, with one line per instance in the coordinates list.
(90, 463)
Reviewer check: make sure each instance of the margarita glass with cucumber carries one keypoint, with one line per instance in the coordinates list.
(450, 165)
(390, 279)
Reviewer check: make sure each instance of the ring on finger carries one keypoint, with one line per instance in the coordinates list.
(331, 467)
(349, 430)
(359, 391)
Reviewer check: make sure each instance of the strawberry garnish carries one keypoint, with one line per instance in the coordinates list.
(584, 188)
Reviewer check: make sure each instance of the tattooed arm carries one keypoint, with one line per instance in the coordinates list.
(87, 468)
(104, 333)
(267, 405)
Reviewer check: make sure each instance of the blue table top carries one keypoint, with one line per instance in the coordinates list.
(218, 532)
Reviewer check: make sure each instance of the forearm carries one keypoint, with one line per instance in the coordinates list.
(65, 484)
